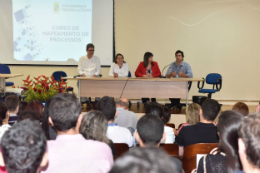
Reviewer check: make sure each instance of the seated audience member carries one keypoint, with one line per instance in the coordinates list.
(31, 115)
(144, 160)
(114, 132)
(249, 143)
(4, 117)
(24, 148)
(150, 132)
(71, 152)
(36, 106)
(192, 115)
(204, 131)
(119, 68)
(12, 103)
(22, 106)
(241, 108)
(125, 118)
(157, 109)
(227, 158)
(47, 126)
(94, 126)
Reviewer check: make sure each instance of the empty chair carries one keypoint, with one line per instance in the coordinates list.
(58, 75)
(214, 79)
(190, 154)
(4, 69)
(171, 149)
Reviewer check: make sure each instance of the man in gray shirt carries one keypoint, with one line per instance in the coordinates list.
(125, 118)
(179, 69)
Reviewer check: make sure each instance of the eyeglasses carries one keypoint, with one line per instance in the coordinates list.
(91, 50)
(120, 58)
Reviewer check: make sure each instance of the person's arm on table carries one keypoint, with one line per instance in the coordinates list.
(138, 72)
(98, 69)
(80, 68)
(111, 71)
(170, 72)
(157, 70)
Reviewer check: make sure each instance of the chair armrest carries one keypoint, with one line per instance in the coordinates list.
(219, 84)
(202, 84)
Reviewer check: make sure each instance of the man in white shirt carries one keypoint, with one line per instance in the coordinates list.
(89, 66)
(114, 132)
(125, 118)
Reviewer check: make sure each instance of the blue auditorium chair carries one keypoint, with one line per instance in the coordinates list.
(4, 69)
(58, 75)
(214, 79)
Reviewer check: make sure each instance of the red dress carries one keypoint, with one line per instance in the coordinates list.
(141, 70)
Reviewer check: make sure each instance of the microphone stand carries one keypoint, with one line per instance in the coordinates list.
(164, 69)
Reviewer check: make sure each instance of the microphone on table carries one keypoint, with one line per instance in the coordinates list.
(77, 76)
(164, 69)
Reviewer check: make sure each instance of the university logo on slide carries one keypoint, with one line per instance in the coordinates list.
(56, 7)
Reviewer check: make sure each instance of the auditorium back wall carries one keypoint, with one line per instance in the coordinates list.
(216, 37)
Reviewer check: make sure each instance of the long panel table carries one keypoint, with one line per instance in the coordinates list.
(134, 87)
(2, 80)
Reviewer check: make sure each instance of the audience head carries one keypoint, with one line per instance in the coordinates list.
(65, 112)
(22, 106)
(166, 115)
(108, 107)
(4, 114)
(249, 142)
(36, 106)
(144, 160)
(193, 113)
(148, 58)
(119, 58)
(150, 131)
(210, 110)
(154, 108)
(12, 103)
(23, 148)
(45, 119)
(31, 115)
(94, 126)
(123, 103)
(228, 126)
(241, 108)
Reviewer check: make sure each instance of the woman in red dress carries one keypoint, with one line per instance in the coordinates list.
(148, 68)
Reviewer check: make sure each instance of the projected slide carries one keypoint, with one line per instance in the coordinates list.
(51, 31)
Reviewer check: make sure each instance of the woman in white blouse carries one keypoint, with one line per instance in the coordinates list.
(119, 68)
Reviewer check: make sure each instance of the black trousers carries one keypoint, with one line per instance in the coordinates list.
(175, 102)
(144, 100)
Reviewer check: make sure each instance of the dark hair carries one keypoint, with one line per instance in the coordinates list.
(179, 51)
(94, 126)
(144, 160)
(210, 109)
(23, 147)
(150, 129)
(119, 54)
(241, 108)
(12, 102)
(45, 119)
(228, 126)
(249, 132)
(64, 110)
(3, 111)
(28, 114)
(22, 106)
(36, 106)
(90, 45)
(108, 107)
(166, 115)
(154, 108)
(147, 55)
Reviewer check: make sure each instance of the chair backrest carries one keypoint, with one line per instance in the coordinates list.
(4, 69)
(190, 152)
(129, 74)
(171, 149)
(121, 148)
(212, 78)
(58, 74)
(171, 125)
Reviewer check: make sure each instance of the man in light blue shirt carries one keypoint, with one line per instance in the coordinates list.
(179, 69)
